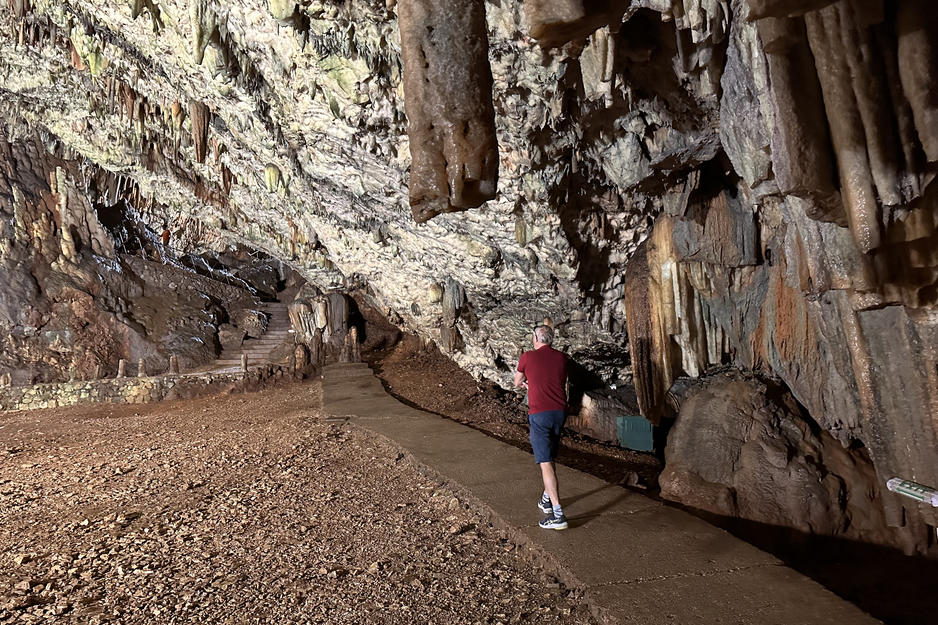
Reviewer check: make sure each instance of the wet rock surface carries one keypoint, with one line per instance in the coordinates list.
(249, 504)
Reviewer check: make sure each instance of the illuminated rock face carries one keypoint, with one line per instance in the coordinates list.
(764, 168)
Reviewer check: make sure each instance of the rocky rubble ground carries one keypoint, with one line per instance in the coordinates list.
(243, 509)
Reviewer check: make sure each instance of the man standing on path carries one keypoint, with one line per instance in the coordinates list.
(543, 372)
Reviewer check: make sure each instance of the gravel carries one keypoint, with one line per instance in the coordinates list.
(244, 509)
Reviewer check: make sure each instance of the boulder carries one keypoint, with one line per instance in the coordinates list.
(253, 322)
(599, 410)
(742, 447)
(230, 337)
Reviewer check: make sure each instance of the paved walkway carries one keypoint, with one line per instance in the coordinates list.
(638, 560)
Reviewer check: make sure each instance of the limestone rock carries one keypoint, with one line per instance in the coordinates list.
(598, 412)
(451, 120)
(231, 337)
(741, 448)
(252, 322)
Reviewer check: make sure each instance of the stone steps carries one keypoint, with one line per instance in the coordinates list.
(258, 349)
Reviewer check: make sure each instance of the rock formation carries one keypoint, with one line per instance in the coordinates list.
(764, 168)
(448, 96)
(742, 448)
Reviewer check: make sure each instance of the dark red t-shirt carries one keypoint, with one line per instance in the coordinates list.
(546, 372)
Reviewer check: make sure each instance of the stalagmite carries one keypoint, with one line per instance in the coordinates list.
(121, 368)
(300, 357)
(174, 365)
(322, 315)
(638, 316)
(917, 26)
(448, 98)
(356, 353)
(338, 313)
(302, 320)
(869, 84)
(454, 299)
(317, 354)
(801, 147)
(846, 124)
(141, 368)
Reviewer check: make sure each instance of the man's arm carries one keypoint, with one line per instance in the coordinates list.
(520, 380)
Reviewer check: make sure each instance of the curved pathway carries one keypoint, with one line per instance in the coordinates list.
(637, 560)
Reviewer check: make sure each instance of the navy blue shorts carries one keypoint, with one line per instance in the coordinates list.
(545, 434)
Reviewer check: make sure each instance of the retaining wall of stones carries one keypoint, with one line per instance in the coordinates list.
(137, 390)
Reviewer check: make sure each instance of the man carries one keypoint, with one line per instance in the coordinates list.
(544, 373)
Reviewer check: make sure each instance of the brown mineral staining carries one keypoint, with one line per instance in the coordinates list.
(448, 98)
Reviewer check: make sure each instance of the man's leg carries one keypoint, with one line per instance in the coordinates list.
(550, 482)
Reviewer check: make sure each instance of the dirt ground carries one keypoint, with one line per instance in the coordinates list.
(243, 509)
(427, 379)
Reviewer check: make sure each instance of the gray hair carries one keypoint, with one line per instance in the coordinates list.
(544, 334)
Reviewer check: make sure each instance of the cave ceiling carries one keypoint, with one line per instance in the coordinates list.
(282, 127)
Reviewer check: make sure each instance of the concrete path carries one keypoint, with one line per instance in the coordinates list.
(638, 560)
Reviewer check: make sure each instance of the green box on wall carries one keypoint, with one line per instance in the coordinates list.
(635, 433)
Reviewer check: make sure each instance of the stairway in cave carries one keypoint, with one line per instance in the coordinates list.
(258, 350)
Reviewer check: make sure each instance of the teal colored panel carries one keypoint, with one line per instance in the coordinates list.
(635, 433)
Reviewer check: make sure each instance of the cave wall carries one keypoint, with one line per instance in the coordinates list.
(73, 301)
(825, 277)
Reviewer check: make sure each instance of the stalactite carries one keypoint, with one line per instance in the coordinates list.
(802, 153)
(869, 85)
(20, 8)
(912, 158)
(201, 118)
(846, 123)
(448, 97)
(917, 26)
